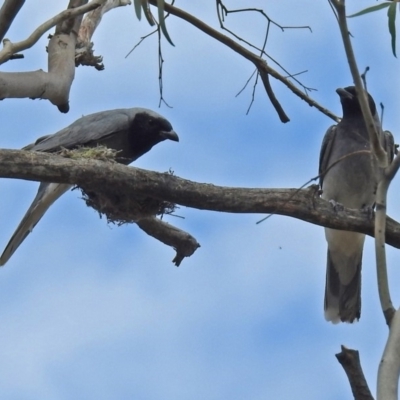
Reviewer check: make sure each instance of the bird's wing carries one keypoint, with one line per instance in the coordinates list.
(92, 128)
(113, 129)
(47, 194)
(325, 153)
(86, 130)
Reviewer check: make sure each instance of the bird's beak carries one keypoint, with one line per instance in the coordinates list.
(171, 135)
(344, 94)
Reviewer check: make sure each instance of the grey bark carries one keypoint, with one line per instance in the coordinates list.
(302, 204)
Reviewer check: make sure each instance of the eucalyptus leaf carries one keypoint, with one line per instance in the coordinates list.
(147, 12)
(392, 25)
(138, 8)
(161, 20)
(371, 9)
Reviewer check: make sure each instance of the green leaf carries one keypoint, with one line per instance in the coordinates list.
(371, 9)
(161, 20)
(392, 26)
(147, 12)
(138, 9)
(145, 6)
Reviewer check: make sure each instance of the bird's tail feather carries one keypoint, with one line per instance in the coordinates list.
(47, 194)
(342, 302)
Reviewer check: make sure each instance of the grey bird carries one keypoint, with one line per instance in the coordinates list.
(132, 132)
(349, 176)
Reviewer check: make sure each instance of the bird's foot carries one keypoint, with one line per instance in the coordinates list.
(336, 206)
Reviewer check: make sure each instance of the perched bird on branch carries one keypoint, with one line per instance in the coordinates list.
(132, 132)
(349, 177)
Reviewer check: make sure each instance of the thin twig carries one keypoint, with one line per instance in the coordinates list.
(142, 39)
(245, 85)
(260, 64)
(160, 70)
(364, 78)
(377, 149)
(10, 48)
(320, 175)
(222, 9)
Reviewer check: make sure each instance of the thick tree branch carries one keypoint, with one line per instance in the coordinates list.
(389, 367)
(376, 147)
(8, 12)
(56, 83)
(184, 244)
(302, 204)
(259, 62)
(10, 48)
(350, 361)
(84, 46)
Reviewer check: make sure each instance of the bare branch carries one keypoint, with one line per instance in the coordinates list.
(383, 160)
(54, 85)
(92, 19)
(8, 12)
(10, 48)
(304, 205)
(184, 243)
(392, 169)
(380, 252)
(389, 367)
(84, 47)
(222, 10)
(160, 71)
(260, 63)
(142, 39)
(350, 361)
(120, 208)
(376, 146)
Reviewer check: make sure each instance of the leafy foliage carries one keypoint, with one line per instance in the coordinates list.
(391, 6)
(145, 6)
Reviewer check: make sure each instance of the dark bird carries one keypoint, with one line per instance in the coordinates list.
(349, 176)
(132, 132)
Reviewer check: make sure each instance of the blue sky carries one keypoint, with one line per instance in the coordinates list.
(94, 311)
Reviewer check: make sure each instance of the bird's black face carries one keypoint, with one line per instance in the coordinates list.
(351, 106)
(147, 129)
